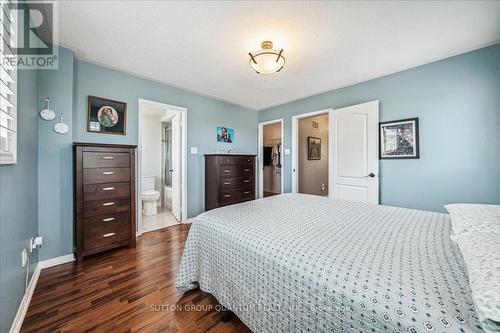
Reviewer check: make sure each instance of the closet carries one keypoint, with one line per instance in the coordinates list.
(272, 155)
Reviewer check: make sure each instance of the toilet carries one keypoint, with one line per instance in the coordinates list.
(149, 195)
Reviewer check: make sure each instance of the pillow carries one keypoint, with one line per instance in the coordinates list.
(481, 251)
(474, 217)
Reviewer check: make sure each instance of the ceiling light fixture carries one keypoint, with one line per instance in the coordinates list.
(267, 60)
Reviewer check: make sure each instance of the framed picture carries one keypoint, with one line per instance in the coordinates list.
(106, 116)
(399, 139)
(225, 134)
(313, 148)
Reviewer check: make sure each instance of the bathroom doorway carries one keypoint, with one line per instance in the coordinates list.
(161, 166)
(270, 158)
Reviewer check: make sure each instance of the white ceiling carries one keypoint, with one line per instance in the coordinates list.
(203, 46)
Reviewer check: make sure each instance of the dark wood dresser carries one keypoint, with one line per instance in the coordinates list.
(104, 184)
(229, 179)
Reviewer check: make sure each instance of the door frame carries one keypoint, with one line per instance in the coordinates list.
(260, 172)
(295, 145)
(184, 125)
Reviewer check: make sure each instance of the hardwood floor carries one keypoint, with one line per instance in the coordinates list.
(125, 290)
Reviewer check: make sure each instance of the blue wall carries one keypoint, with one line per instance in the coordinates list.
(203, 116)
(457, 101)
(18, 202)
(55, 171)
(69, 88)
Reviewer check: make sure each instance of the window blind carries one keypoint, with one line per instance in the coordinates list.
(8, 87)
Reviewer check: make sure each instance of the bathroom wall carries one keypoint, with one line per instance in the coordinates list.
(458, 106)
(313, 173)
(151, 146)
(272, 174)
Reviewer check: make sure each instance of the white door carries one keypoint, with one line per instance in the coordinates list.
(354, 148)
(176, 166)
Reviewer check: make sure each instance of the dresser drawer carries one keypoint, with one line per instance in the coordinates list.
(105, 175)
(228, 171)
(233, 160)
(247, 171)
(106, 191)
(106, 206)
(103, 230)
(247, 194)
(229, 197)
(237, 195)
(230, 183)
(105, 160)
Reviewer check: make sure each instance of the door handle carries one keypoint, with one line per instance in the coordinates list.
(371, 174)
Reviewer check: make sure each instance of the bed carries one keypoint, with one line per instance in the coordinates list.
(301, 263)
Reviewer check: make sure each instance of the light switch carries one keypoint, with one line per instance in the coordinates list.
(287, 151)
(194, 150)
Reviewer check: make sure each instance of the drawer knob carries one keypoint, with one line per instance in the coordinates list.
(108, 188)
(248, 160)
(227, 159)
(246, 170)
(108, 157)
(227, 196)
(246, 181)
(108, 204)
(227, 183)
(109, 234)
(108, 173)
(227, 171)
(247, 192)
(108, 219)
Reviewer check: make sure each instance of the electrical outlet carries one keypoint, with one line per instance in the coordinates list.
(194, 150)
(36, 243)
(24, 257)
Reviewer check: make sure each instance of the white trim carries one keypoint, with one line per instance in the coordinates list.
(261, 154)
(25, 302)
(184, 152)
(56, 261)
(295, 144)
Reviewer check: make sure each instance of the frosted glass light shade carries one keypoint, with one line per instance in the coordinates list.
(267, 61)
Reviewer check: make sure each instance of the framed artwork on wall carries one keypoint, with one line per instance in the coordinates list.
(225, 134)
(106, 116)
(313, 148)
(399, 139)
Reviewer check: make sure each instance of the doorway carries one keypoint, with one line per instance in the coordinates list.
(313, 155)
(161, 166)
(270, 158)
(352, 153)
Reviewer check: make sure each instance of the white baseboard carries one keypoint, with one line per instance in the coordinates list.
(25, 302)
(57, 261)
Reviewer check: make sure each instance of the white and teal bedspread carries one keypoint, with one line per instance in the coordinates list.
(300, 263)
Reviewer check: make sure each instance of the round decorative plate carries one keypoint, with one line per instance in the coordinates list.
(107, 116)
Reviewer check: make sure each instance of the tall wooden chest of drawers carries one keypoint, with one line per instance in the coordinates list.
(229, 179)
(104, 185)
